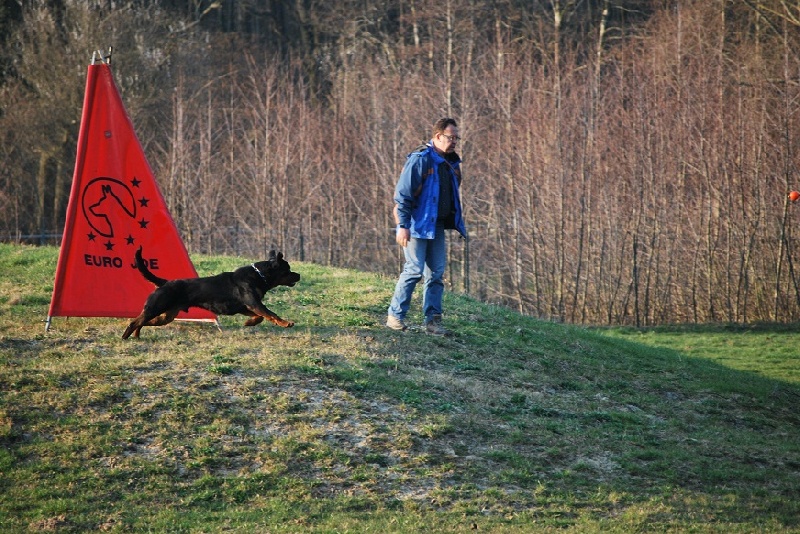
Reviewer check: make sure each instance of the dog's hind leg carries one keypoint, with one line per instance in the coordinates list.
(134, 326)
(143, 320)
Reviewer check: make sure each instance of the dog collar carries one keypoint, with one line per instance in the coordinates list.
(264, 278)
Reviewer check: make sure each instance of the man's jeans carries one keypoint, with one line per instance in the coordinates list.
(424, 257)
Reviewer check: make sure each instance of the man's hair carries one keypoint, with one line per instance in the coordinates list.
(442, 124)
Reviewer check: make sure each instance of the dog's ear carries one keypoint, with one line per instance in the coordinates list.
(271, 255)
(280, 256)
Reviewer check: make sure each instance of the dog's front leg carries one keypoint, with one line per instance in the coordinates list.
(253, 320)
(269, 315)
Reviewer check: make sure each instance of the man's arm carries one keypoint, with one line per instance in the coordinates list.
(409, 183)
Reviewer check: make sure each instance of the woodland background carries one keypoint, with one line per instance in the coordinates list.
(625, 162)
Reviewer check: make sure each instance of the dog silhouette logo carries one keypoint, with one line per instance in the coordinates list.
(108, 202)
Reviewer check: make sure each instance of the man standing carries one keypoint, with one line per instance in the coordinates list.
(427, 203)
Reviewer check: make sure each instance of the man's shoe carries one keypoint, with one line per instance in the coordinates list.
(395, 324)
(434, 327)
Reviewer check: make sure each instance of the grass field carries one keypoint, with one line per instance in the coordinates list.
(340, 425)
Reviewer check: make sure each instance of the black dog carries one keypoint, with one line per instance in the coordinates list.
(224, 294)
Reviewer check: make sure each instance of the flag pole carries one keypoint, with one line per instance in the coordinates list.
(104, 58)
(71, 205)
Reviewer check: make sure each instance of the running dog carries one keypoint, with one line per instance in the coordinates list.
(224, 294)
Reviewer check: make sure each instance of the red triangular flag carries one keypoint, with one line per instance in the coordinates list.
(115, 207)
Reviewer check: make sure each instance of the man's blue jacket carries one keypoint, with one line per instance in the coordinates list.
(417, 192)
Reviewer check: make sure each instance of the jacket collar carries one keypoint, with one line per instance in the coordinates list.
(453, 159)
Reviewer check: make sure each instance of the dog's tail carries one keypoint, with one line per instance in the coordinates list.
(142, 266)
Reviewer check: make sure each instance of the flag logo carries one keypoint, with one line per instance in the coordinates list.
(103, 201)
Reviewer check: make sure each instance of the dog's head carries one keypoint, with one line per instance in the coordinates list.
(277, 271)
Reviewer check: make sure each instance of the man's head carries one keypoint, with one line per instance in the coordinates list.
(445, 135)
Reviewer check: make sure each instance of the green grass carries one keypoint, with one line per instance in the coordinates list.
(340, 425)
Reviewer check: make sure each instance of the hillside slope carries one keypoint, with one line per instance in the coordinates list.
(339, 424)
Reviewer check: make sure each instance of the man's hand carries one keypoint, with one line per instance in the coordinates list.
(402, 237)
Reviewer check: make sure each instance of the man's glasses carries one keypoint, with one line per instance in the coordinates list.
(452, 138)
